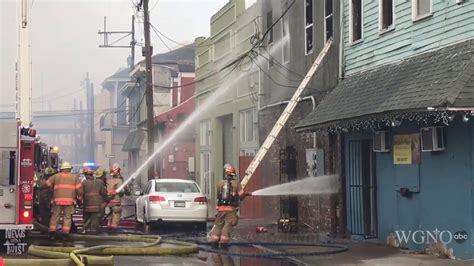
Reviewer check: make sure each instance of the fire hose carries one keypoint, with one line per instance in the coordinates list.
(102, 254)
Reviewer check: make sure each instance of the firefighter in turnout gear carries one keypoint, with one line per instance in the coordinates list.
(67, 189)
(113, 183)
(95, 195)
(229, 195)
(45, 195)
(101, 175)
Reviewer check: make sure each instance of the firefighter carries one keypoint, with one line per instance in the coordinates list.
(45, 195)
(113, 183)
(101, 175)
(67, 189)
(229, 195)
(95, 195)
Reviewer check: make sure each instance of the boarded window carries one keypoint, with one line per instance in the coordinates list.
(386, 14)
(309, 26)
(328, 19)
(269, 26)
(356, 20)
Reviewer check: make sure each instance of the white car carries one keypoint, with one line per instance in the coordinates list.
(172, 200)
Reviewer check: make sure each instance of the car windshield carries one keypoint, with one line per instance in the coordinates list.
(176, 187)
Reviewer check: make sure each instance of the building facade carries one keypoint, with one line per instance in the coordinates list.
(226, 94)
(164, 66)
(177, 160)
(292, 45)
(404, 109)
(114, 120)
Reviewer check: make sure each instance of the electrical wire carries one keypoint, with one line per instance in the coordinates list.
(166, 37)
(159, 37)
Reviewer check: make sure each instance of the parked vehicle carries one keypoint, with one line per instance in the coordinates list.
(172, 200)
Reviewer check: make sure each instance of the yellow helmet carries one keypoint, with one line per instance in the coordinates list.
(66, 165)
(49, 171)
(99, 172)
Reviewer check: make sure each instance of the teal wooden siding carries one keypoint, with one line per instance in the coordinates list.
(448, 24)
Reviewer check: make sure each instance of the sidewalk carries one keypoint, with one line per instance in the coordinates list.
(359, 253)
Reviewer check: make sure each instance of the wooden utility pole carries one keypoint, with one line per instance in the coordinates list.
(148, 52)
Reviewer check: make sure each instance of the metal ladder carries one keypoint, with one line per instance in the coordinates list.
(284, 116)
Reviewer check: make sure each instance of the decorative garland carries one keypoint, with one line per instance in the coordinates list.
(422, 118)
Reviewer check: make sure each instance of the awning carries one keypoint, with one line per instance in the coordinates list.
(439, 78)
(133, 141)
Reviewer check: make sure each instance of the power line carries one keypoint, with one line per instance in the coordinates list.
(159, 37)
(168, 38)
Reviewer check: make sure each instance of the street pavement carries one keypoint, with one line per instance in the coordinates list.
(359, 253)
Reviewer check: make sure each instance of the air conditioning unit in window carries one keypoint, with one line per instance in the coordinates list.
(432, 139)
(381, 141)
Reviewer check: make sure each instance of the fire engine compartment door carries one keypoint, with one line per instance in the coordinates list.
(7, 186)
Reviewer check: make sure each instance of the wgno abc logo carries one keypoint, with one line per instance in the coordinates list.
(428, 237)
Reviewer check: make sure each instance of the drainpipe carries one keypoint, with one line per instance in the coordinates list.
(341, 38)
(313, 101)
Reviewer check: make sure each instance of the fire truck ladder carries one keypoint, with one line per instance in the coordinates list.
(284, 116)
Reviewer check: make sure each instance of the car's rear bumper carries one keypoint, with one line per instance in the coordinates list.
(173, 215)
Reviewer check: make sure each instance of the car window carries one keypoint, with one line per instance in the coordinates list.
(146, 190)
(176, 187)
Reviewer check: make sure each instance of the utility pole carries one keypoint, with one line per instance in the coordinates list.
(90, 117)
(148, 51)
(124, 34)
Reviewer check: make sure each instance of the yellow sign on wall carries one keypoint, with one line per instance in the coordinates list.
(406, 149)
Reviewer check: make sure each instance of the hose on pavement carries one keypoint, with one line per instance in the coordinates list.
(102, 254)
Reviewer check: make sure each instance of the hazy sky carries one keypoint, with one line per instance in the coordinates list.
(64, 42)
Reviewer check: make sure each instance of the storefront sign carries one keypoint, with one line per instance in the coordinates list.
(406, 149)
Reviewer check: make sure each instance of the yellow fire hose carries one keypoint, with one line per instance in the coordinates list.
(103, 254)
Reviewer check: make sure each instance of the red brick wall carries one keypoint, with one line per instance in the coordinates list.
(251, 207)
(181, 150)
(315, 213)
(187, 91)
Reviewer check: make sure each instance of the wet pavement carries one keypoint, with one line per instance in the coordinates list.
(362, 253)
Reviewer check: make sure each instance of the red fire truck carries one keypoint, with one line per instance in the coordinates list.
(17, 171)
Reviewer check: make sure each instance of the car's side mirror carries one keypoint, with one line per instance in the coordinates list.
(138, 193)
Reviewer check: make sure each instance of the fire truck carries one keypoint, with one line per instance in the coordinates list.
(17, 142)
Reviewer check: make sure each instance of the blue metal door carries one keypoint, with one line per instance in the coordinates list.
(362, 203)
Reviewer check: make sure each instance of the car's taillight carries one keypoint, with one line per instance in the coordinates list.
(156, 199)
(26, 214)
(201, 200)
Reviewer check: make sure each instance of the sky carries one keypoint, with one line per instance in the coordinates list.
(64, 43)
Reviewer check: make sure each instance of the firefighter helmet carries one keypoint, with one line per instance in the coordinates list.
(229, 169)
(88, 171)
(66, 165)
(49, 171)
(115, 169)
(100, 172)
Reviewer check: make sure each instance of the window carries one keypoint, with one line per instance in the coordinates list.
(421, 9)
(269, 26)
(205, 133)
(176, 187)
(248, 125)
(308, 14)
(205, 180)
(356, 20)
(386, 15)
(285, 36)
(328, 19)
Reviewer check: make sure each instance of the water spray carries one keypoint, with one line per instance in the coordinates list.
(208, 103)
